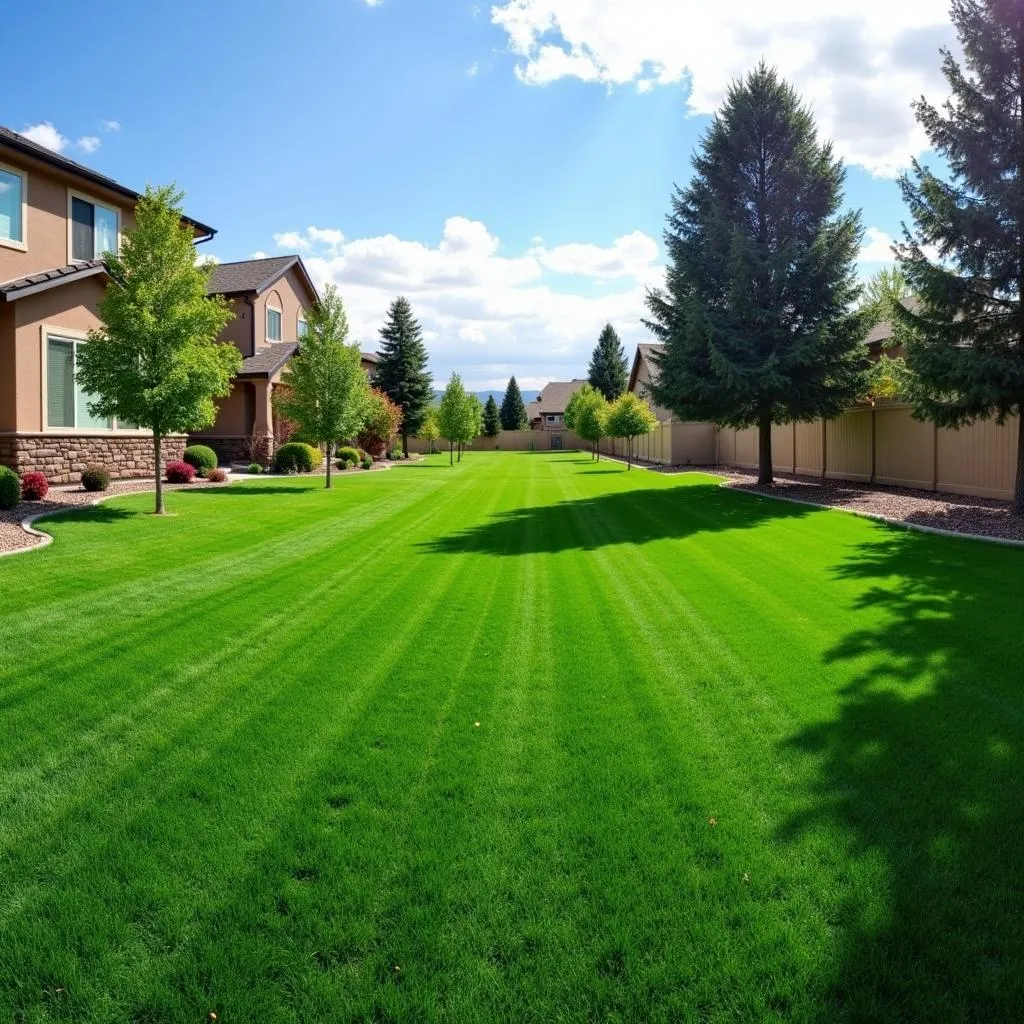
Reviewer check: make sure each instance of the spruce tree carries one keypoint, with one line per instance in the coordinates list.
(402, 370)
(513, 411)
(609, 368)
(492, 418)
(761, 276)
(965, 338)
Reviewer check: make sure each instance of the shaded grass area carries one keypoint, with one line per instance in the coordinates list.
(521, 739)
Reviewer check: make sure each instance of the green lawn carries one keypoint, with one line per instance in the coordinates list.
(526, 739)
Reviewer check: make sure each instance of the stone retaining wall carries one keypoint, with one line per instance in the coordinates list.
(62, 457)
(236, 448)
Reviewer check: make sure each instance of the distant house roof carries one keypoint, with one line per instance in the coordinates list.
(47, 279)
(555, 396)
(532, 411)
(370, 357)
(645, 352)
(255, 276)
(269, 360)
(12, 140)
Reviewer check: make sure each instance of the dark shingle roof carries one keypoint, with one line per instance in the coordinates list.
(268, 360)
(13, 140)
(248, 275)
(370, 357)
(46, 279)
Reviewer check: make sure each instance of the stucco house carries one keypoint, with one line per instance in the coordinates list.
(270, 299)
(56, 219)
(547, 413)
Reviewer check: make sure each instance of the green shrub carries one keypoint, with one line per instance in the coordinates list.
(200, 458)
(95, 478)
(348, 454)
(10, 488)
(296, 457)
(367, 462)
(255, 468)
(395, 455)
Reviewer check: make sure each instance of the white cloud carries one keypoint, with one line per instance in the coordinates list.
(44, 134)
(877, 247)
(110, 126)
(258, 255)
(859, 63)
(206, 257)
(88, 143)
(486, 313)
(473, 70)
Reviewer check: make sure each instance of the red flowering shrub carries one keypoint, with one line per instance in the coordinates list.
(180, 473)
(34, 486)
(381, 423)
(216, 476)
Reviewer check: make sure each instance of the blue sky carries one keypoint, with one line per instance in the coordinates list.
(506, 166)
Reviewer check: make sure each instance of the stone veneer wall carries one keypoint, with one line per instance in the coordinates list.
(237, 448)
(62, 457)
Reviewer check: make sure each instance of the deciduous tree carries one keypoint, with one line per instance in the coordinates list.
(381, 421)
(429, 431)
(586, 415)
(965, 256)
(454, 415)
(629, 417)
(325, 389)
(756, 313)
(156, 361)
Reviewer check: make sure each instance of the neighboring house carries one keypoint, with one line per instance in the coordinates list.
(270, 299)
(547, 413)
(57, 217)
(643, 372)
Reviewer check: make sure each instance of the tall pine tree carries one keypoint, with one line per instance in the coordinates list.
(402, 370)
(513, 411)
(492, 418)
(965, 339)
(609, 368)
(762, 273)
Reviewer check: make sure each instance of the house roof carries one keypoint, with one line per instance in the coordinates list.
(370, 357)
(532, 410)
(555, 396)
(644, 356)
(10, 291)
(269, 360)
(12, 140)
(255, 276)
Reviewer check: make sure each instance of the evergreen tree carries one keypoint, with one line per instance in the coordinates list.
(492, 418)
(761, 277)
(609, 368)
(513, 411)
(402, 370)
(965, 339)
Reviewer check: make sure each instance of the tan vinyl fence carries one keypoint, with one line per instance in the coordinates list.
(884, 444)
(671, 443)
(512, 441)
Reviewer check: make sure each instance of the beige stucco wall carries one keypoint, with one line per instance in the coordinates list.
(239, 329)
(234, 413)
(290, 295)
(643, 378)
(8, 369)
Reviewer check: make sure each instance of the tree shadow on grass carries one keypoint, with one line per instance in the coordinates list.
(58, 512)
(629, 517)
(920, 774)
(234, 490)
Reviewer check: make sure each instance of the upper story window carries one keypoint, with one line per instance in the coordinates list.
(12, 208)
(302, 328)
(551, 418)
(273, 324)
(94, 228)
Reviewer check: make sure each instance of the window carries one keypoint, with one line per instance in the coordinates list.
(302, 328)
(12, 208)
(94, 229)
(273, 324)
(67, 405)
(551, 419)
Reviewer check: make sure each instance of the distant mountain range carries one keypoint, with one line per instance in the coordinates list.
(528, 396)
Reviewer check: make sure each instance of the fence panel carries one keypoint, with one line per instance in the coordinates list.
(979, 459)
(807, 442)
(904, 448)
(848, 446)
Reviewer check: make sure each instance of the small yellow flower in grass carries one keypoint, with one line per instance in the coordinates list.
(213, 1016)
(476, 725)
(746, 878)
(712, 822)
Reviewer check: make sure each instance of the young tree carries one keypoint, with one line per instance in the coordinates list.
(756, 315)
(381, 421)
(429, 432)
(965, 340)
(402, 368)
(453, 415)
(492, 418)
(325, 389)
(156, 361)
(609, 368)
(513, 411)
(585, 415)
(474, 422)
(629, 417)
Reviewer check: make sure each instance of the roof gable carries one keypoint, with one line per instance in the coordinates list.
(256, 276)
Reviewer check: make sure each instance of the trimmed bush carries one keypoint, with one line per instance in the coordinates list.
(96, 478)
(200, 458)
(34, 486)
(348, 454)
(296, 457)
(216, 476)
(395, 455)
(367, 463)
(255, 468)
(180, 473)
(10, 488)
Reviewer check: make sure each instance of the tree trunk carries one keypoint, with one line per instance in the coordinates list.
(764, 450)
(629, 454)
(1018, 489)
(451, 456)
(159, 509)
(330, 459)
(405, 444)
(460, 451)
